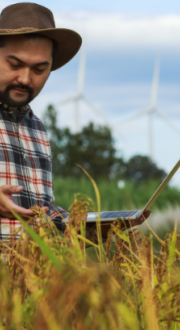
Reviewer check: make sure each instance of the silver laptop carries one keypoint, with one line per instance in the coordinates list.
(135, 214)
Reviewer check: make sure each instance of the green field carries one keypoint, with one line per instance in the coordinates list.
(112, 197)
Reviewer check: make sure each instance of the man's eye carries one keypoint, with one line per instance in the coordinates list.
(14, 65)
(39, 70)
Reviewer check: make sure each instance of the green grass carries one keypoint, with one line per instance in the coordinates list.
(113, 198)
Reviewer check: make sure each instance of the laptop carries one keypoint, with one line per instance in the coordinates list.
(134, 214)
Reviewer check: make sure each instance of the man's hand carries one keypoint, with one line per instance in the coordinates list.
(132, 223)
(126, 224)
(7, 205)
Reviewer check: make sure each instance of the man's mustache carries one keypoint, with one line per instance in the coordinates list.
(20, 86)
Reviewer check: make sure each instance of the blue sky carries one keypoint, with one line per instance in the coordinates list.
(128, 6)
(123, 40)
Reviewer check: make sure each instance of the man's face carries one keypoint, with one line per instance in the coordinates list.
(25, 65)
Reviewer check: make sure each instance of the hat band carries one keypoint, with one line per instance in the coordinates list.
(23, 29)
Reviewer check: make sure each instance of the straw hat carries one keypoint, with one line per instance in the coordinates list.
(26, 17)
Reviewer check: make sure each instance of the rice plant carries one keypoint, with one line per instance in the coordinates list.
(49, 281)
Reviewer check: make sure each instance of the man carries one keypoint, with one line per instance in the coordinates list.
(30, 48)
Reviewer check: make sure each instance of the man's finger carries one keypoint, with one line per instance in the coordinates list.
(45, 209)
(144, 216)
(12, 207)
(8, 189)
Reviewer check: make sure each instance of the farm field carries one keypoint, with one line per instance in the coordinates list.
(113, 197)
(164, 211)
(50, 281)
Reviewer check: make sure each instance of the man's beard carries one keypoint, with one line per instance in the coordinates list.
(5, 95)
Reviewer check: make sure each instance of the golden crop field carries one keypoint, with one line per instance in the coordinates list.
(50, 281)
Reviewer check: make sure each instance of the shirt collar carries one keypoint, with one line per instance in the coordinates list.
(5, 106)
(17, 113)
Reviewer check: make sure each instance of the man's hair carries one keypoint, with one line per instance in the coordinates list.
(3, 40)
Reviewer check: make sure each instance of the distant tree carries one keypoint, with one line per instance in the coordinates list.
(93, 149)
(141, 168)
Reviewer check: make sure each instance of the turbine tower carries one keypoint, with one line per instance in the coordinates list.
(150, 111)
(80, 96)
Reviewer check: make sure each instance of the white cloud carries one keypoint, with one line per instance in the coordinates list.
(107, 30)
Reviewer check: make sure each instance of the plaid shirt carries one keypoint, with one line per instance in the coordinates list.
(25, 160)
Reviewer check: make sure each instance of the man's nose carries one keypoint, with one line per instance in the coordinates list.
(24, 76)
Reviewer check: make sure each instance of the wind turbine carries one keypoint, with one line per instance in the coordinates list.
(80, 96)
(150, 111)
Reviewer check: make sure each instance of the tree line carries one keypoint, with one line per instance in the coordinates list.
(93, 148)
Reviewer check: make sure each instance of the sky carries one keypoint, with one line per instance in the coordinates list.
(128, 6)
(121, 41)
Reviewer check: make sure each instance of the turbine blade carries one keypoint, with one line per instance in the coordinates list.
(101, 114)
(150, 128)
(155, 83)
(168, 122)
(96, 109)
(81, 71)
(136, 116)
(76, 112)
(66, 101)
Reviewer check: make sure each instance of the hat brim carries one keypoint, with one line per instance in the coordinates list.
(68, 42)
